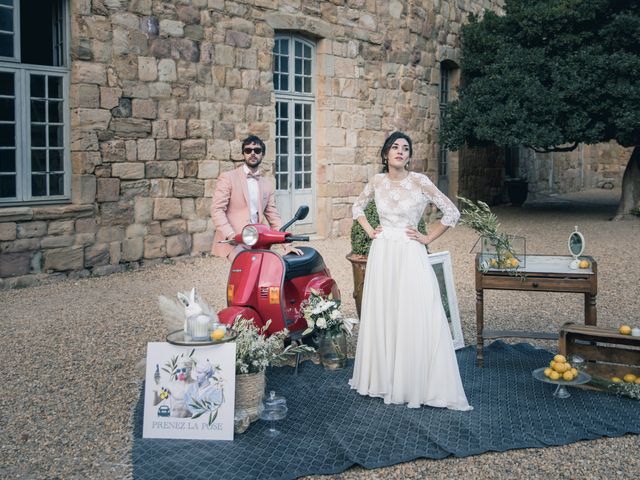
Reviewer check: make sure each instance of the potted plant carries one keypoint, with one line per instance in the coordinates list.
(360, 244)
(254, 353)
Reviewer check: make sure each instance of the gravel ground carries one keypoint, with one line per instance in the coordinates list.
(70, 350)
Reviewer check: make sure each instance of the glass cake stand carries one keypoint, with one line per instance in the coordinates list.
(179, 337)
(561, 390)
(275, 408)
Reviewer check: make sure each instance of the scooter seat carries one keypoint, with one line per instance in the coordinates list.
(300, 265)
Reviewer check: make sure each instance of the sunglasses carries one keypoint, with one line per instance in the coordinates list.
(256, 150)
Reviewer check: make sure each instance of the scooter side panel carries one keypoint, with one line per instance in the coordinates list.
(229, 314)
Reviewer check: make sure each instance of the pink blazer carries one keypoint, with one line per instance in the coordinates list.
(230, 207)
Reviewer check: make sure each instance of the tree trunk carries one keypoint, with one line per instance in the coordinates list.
(630, 197)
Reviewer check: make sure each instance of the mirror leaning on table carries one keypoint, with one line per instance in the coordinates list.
(576, 247)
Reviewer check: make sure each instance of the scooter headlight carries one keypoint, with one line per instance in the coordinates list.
(250, 235)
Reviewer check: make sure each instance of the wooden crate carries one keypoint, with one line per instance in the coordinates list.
(607, 352)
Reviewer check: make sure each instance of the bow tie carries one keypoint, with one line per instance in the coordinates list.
(255, 175)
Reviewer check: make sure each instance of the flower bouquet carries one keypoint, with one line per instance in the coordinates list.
(323, 315)
(255, 351)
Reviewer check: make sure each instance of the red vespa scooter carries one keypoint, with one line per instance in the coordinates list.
(264, 285)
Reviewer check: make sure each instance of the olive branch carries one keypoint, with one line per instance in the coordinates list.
(479, 217)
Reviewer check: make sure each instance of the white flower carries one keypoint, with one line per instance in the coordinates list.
(335, 314)
(321, 323)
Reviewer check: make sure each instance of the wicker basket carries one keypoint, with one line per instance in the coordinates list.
(249, 392)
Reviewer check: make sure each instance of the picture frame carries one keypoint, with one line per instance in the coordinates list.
(189, 392)
(441, 263)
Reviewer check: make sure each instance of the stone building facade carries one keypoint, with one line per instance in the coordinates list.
(148, 101)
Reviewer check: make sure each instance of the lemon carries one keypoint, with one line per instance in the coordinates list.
(629, 378)
(575, 372)
(615, 379)
(560, 358)
(218, 334)
(547, 372)
(554, 375)
(552, 364)
(625, 330)
(514, 262)
(568, 376)
(493, 262)
(561, 367)
(584, 264)
(637, 382)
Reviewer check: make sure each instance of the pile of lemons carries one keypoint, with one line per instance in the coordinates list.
(505, 261)
(560, 369)
(628, 378)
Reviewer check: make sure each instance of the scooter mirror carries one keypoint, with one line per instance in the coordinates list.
(302, 212)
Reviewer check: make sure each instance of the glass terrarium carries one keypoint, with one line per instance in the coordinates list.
(502, 252)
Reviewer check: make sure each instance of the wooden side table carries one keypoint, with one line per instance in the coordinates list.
(543, 273)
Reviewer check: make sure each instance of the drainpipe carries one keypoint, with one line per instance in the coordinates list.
(551, 174)
(582, 165)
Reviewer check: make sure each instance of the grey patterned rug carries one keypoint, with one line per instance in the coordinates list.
(330, 427)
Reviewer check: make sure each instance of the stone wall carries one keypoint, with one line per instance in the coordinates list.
(162, 92)
(589, 166)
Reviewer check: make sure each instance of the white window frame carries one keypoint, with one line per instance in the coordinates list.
(22, 114)
(290, 97)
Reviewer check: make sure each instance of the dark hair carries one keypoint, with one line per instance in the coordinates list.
(387, 146)
(253, 139)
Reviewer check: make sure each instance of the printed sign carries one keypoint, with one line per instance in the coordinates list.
(189, 391)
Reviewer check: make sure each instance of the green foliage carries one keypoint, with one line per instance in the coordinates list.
(479, 217)
(360, 241)
(549, 73)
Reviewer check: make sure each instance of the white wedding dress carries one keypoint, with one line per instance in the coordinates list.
(405, 352)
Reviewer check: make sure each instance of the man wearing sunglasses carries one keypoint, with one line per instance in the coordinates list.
(243, 196)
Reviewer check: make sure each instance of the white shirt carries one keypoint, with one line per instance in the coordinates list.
(254, 192)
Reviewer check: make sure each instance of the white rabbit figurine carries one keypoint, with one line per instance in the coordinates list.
(189, 305)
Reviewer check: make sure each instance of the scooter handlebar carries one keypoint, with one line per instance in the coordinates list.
(297, 238)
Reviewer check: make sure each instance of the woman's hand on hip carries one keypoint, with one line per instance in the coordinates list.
(414, 234)
(374, 233)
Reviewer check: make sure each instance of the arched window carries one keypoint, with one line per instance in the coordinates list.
(294, 85)
(34, 159)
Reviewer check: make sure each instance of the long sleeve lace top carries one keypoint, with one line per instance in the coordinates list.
(401, 203)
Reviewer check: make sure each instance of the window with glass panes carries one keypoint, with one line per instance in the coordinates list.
(443, 153)
(293, 84)
(34, 160)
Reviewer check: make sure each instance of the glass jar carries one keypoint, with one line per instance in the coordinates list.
(198, 327)
(332, 349)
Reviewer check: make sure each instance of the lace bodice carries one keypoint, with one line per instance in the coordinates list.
(401, 203)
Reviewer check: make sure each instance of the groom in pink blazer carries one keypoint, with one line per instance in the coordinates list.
(243, 196)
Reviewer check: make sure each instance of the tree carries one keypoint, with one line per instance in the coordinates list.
(551, 74)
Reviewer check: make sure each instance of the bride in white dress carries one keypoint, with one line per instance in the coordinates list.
(405, 352)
